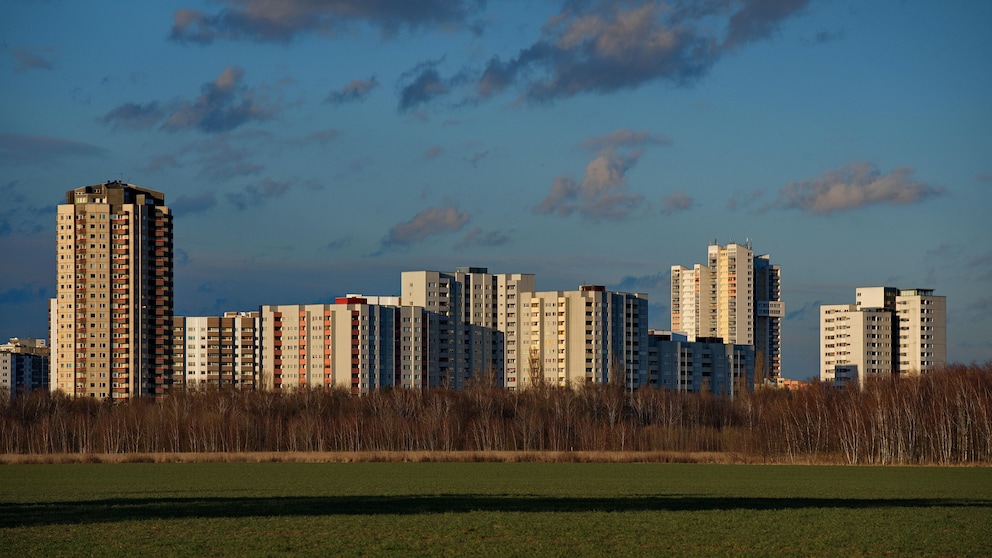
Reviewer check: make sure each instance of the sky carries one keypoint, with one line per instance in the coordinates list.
(309, 149)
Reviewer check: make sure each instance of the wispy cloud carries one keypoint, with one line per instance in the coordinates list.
(644, 283)
(824, 36)
(220, 157)
(744, 200)
(422, 84)
(478, 237)
(429, 222)
(676, 202)
(811, 309)
(339, 243)
(322, 137)
(356, 91)
(601, 194)
(188, 205)
(433, 152)
(32, 58)
(624, 137)
(136, 116)
(285, 20)
(223, 105)
(852, 187)
(20, 149)
(982, 264)
(18, 214)
(255, 195)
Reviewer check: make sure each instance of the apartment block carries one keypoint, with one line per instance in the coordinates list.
(23, 366)
(219, 352)
(922, 330)
(855, 343)
(112, 316)
(349, 344)
(589, 335)
(699, 366)
(887, 331)
(478, 320)
(735, 297)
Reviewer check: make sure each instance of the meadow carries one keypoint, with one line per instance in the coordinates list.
(493, 509)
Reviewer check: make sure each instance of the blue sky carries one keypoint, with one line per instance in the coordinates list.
(311, 149)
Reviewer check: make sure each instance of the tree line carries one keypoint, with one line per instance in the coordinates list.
(943, 417)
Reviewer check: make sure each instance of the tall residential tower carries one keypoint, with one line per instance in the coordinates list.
(112, 316)
(735, 297)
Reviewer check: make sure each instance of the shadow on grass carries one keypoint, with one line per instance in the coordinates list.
(128, 509)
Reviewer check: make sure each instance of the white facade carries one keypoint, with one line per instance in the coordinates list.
(888, 331)
(855, 343)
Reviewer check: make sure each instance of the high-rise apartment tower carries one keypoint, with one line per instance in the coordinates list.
(735, 297)
(479, 318)
(112, 316)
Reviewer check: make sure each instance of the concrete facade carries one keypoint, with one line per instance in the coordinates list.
(478, 319)
(735, 297)
(887, 331)
(112, 316)
(350, 344)
(700, 366)
(589, 335)
(24, 366)
(216, 351)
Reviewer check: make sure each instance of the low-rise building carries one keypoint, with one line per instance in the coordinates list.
(706, 365)
(23, 366)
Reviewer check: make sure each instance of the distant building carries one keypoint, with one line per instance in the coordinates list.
(735, 297)
(216, 351)
(23, 366)
(479, 319)
(111, 321)
(887, 331)
(705, 365)
(590, 335)
(349, 344)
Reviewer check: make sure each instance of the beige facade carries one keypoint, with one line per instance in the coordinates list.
(589, 335)
(113, 310)
(216, 351)
(735, 297)
(922, 330)
(478, 320)
(350, 344)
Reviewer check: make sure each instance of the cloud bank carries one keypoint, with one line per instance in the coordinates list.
(223, 105)
(605, 46)
(285, 20)
(855, 186)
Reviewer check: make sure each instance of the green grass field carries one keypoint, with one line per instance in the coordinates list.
(492, 509)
